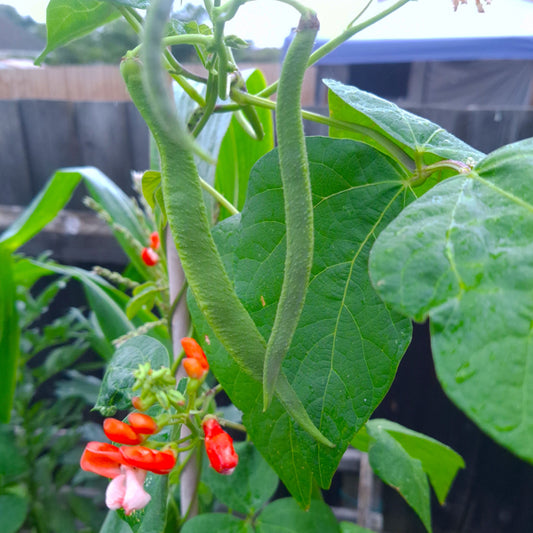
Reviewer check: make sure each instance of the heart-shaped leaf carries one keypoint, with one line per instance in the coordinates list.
(116, 392)
(348, 344)
(399, 132)
(221, 523)
(67, 20)
(284, 516)
(462, 255)
(249, 487)
(397, 468)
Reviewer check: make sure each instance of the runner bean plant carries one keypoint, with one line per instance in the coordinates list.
(304, 264)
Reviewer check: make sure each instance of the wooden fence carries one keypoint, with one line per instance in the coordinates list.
(102, 83)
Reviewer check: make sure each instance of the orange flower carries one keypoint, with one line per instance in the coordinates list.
(142, 424)
(118, 431)
(155, 241)
(219, 447)
(195, 362)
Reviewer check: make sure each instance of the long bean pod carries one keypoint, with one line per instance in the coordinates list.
(298, 202)
(188, 220)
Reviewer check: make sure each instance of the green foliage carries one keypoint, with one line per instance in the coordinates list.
(9, 333)
(222, 523)
(343, 358)
(13, 510)
(286, 516)
(461, 255)
(251, 485)
(116, 392)
(405, 460)
(239, 152)
(420, 139)
(67, 20)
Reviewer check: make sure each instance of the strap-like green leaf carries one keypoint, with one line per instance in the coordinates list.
(9, 334)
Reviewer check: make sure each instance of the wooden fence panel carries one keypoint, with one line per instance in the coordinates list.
(15, 176)
(38, 137)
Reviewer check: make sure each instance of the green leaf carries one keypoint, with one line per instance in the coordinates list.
(13, 510)
(439, 462)
(13, 460)
(211, 136)
(111, 317)
(26, 273)
(114, 524)
(286, 516)
(250, 486)
(137, 4)
(348, 344)
(142, 298)
(398, 469)
(9, 334)
(461, 255)
(43, 209)
(239, 152)
(55, 197)
(350, 527)
(419, 138)
(221, 523)
(67, 20)
(116, 392)
(151, 182)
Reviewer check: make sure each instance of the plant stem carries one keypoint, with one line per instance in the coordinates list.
(393, 149)
(335, 42)
(222, 200)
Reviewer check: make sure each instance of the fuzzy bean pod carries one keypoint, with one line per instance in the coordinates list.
(298, 202)
(189, 224)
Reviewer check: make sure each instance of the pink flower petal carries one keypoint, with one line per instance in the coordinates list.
(114, 495)
(136, 497)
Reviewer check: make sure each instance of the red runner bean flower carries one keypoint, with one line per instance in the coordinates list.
(127, 467)
(149, 257)
(195, 362)
(142, 424)
(155, 241)
(219, 447)
(118, 431)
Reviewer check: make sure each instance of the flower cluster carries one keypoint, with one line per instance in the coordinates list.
(127, 465)
(195, 362)
(219, 447)
(149, 255)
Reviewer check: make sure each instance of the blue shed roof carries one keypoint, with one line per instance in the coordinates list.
(430, 30)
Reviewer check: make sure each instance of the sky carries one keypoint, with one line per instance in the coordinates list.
(268, 23)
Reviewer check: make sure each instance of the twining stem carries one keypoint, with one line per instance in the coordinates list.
(177, 70)
(393, 149)
(333, 43)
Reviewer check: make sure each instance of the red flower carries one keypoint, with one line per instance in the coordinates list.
(149, 257)
(195, 362)
(155, 241)
(219, 447)
(118, 431)
(139, 425)
(158, 462)
(142, 424)
(127, 466)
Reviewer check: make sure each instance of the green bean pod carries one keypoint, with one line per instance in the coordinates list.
(189, 225)
(298, 203)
